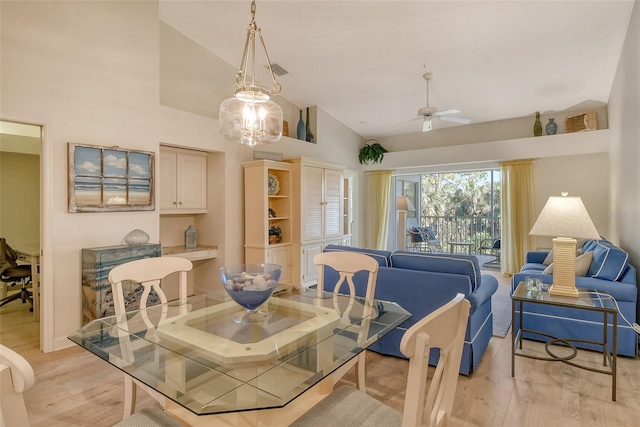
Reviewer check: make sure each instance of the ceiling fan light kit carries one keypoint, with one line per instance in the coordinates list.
(427, 113)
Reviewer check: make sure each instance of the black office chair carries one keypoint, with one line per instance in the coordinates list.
(15, 274)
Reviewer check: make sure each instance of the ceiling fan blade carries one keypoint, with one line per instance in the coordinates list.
(445, 112)
(456, 120)
(426, 124)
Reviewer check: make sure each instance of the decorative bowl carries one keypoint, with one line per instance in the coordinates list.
(250, 286)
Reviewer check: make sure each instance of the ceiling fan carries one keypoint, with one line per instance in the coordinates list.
(427, 113)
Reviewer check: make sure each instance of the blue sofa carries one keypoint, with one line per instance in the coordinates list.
(609, 272)
(423, 282)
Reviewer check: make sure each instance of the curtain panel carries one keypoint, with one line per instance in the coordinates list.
(516, 215)
(378, 202)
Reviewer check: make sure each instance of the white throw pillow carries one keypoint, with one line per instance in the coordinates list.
(583, 262)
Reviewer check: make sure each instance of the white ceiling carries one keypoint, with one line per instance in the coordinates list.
(362, 61)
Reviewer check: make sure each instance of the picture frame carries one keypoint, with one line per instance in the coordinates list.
(110, 179)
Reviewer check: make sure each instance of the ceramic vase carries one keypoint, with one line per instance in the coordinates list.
(308, 130)
(302, 133)
(551, 127)
(537, 126)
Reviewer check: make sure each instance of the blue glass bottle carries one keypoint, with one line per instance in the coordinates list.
(302, 132)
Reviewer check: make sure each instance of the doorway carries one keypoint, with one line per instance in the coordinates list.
(20, 171)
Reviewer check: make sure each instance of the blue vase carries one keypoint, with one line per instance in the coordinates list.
(302, 132)
(551, 127)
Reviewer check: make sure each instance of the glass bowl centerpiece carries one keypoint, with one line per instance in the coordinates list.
(250, 285)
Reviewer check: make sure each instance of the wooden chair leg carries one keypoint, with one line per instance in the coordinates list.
(360, 372)
(130, 392)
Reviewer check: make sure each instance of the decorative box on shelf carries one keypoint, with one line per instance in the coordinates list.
(581, 122)
(97, 298)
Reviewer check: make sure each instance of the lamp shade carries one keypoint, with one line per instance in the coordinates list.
(404, 204)
(565, 217)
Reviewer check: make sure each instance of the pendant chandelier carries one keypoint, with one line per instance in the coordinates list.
(250, 117)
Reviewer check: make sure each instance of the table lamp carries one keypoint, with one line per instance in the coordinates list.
(564, 218)
(403, 204)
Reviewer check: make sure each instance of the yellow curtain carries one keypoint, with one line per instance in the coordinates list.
(516, 214)
(378, 209)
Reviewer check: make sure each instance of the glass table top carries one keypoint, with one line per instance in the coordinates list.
(196, 355)
(588, 298)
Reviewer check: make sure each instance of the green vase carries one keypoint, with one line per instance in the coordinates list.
(537, 126)
(309, 134)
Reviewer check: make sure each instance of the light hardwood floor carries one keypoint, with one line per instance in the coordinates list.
(75, 388)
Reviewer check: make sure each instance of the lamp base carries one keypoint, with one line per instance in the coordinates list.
(565, 291)
(564, 267)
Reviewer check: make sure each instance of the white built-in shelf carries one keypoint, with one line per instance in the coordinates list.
(198, 253)
(564, 144)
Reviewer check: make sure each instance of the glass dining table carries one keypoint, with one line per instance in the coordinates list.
(215, 371)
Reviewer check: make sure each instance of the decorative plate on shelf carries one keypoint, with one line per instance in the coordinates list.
(274, 185)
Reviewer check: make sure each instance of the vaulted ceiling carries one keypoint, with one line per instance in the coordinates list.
(362, 61)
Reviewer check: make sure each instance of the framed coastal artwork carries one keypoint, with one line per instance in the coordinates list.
(110, 179)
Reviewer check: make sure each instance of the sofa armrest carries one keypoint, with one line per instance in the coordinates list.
(488, 287)
(536, 257)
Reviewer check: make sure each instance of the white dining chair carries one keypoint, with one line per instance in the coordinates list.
(16, 377)
(443, 329)
(148, 272)
(347, 264)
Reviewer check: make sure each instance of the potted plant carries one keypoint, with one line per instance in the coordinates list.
(373, 152)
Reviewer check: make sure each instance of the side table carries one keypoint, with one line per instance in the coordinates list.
(468, 245)
(586, 301)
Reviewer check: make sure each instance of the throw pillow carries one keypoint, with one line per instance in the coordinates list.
(609, 261)
(428, 231)
(416, 235)
(549, 259)
(583, 262)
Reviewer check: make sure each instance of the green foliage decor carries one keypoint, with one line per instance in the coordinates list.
(371, 152)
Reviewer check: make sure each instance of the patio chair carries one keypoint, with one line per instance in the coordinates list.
(422, 238)
(490, 247)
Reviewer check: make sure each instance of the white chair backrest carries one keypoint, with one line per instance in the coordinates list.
(347, 264)
(443, 329)
(16, 376)
(148, 272)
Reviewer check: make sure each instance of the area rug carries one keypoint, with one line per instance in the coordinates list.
(501, 307)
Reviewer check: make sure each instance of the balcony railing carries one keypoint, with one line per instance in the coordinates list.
(468, 229)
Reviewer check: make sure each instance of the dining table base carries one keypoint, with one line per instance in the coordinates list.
(275, 417)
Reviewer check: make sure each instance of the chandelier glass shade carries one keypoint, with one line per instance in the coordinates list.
(250, 117)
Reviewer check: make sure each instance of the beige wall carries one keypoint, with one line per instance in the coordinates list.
(584, 175)
(91, 71)
(19, 198)
(624, 156)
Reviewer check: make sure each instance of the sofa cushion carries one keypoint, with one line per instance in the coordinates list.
(467, 265)
(583, 262)
(609, 262)
(381, 256)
